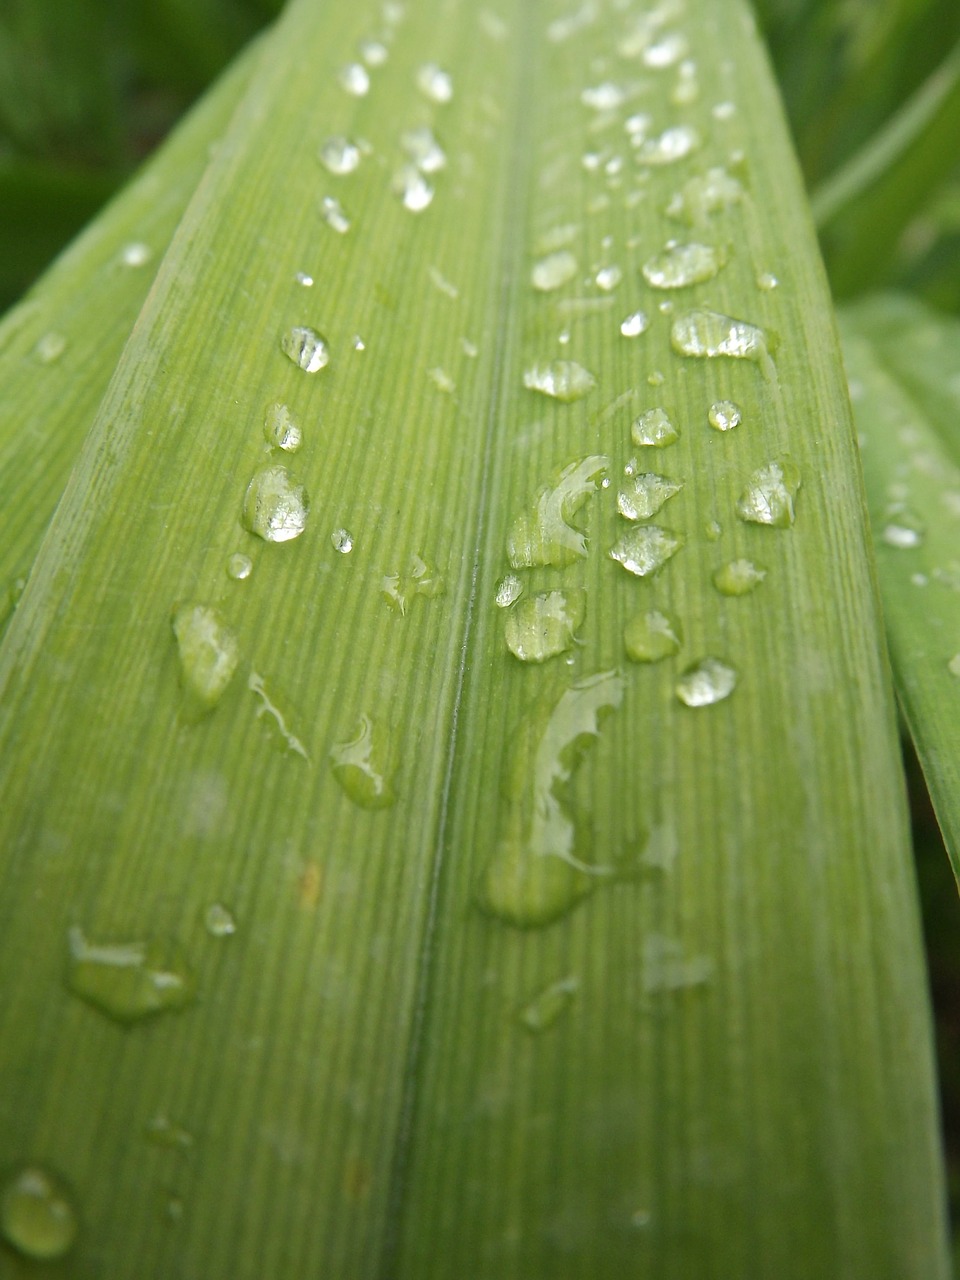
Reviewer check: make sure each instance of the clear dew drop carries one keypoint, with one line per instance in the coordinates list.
(667, 51)
(219, 921)
(607, 278)
(333, 214)
(412, 188)
(423, 150)
(553, 271)
(509, 590)
(724, 415)
(543, 534)
(738, 577)
(365, 766)
(37, 1217)
(903, 529)
(706, 334)
(373, 52)
(645, 493)
(769, 495)
(239, 566)
(306, 348)
(706, 682)
(136, 254)
(953, 666)
(654, 429)
(129, 981)
(340, 155)
(50, 347)
(419, 579)
(644, 549)
(548, 1005)
(542, 626)
(435, 83)
(342, 541)
(355, 79)
(209, 654)
(634, 324)
(652, 636)
(563, 380)
(279, 428)
(670, 146)
(276, 505)
(681, 265)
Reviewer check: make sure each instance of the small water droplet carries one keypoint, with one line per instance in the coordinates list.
(276, 505)
(705, 334)
(136, 254)
(218, 921)
(645, 494)
(340, 155)
(651, 637)
(129, 980)
(687, 87)
(563, 337)
(724, 111)
(442, 380)
(953, 666)
(553, 271)
(666, 966)
(637, 127)
(306, 348)
(704, 195)
(342, 541)
(713, 530)
(355, 79)
(303, 279)
(332, 212)
(706, 682)
(667, 51)
(724, 415)
(420, 579)
(547, 1005)
(543, 534)
(37, 1216)
(208, 651)
(373, 52)
(670, 146)
(509, 589)
(423, 150)
(50, 347)
(563, 380)
(919, 579)
(738, 577)
(769, 495)
(607, 278)
(656, 379)
(160, 1131)
(634, 324)
(413, 189)
(557, 237)
(768, 281)
(358, 343)
(654, 429)
(681, 265)
(365, 767)
(903, 529)
(645, 549)
(279, 429)
(239, 566)
(603, 97)
(435, 83)
(543, 626)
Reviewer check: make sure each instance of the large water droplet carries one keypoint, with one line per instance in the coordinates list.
(654, 429)
(420, 579)
(673, 144)
(553, 271)
(219, 921)
(666, 966)
(37, 1216)
(279, 429)
(706, 682)
(413, 189)
(561, 379)
(547, 1005)
(543, 534)
(423, 150)
(306, 348)
(333, 214)
(539, 868)
(339, 155)
(705, 333)
(645, 493)
(680, 265)
(738, 577)
(634, 324)
(276, 505)
(645, 549)
(209, 653)
(365, 767)
(704, 195)
(129, 980)
(509, 590)
(724, 415)
(355, 78)
(651, 637)
(769, 495)
(543, 626)
(435, 83)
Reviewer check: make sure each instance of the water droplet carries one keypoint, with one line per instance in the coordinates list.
(548, 1005)
(656, 379)
(543, 534)
(713, 530)
(704, 195)
(603, 97)
(340, 155)
(442, 380)
(420, 579)
(768, 281)
(705, 333)
(342, 541)
(239, 566)
(358, 343)
(724, 111)
(279, 429)
(668, 147)
(538, 870)
(903, 529)
(768, 497)
(637, 127)
(136, 254)
(667, 51)
(724, 415)
(162, 1132)
(509, 589)
(607, 278)
(953, 666)
(666, 966)
(129, 980)
(256, 685)
(50, 347)
(634, 324)
(364, 766)
(562, 28)
(706, 682)
(553, 271)
(654, 429)
(493, 25)
(218, 921)
(738, 577)
(681, 265)
(470, 349)
(423, 150)
(562, 379)
(543, 626)
(303, 279)
(651, 637)
(413, 189)
(435, 83)
(373, 52)
(687, 87)
(209, 654)
(645, 494)
(332, 212)
(919, 579)
(37, 1216)
(557, 237)
(276, 505)
(355, 78)
(306, 348)
(645, 549)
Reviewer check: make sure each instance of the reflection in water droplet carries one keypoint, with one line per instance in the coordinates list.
(339, 155)
(645, 549)
(654, 429)
(413, 189)
(705, 333)
(358, 343)
(239, 566)
(903, 529)
(209, 653)
(420, 579)
(364, 766)
(136, 254)
(561, 379)
(129, 980)
(634, 324)
(355, 78)
(50, 347)
(704, 195)
(276, 505)
(306, 348)
(332, 212)
(667, 968)
(218, 921)
(768, 497)
(724, 415)
(671, 145)
(542, 626)
(553, 271)
(645, 493)
(607, 278)
(423, 150)
(279, 429)
(547, 1006)
(706, 682)
(681, 265)
(37, 1216)
(435, 83)
(509, 589)
(652, 636)
(342, 541)
(538, 870)
(543, 534)
(738, 577)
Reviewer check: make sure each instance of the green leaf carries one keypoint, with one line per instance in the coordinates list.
(627, 978)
